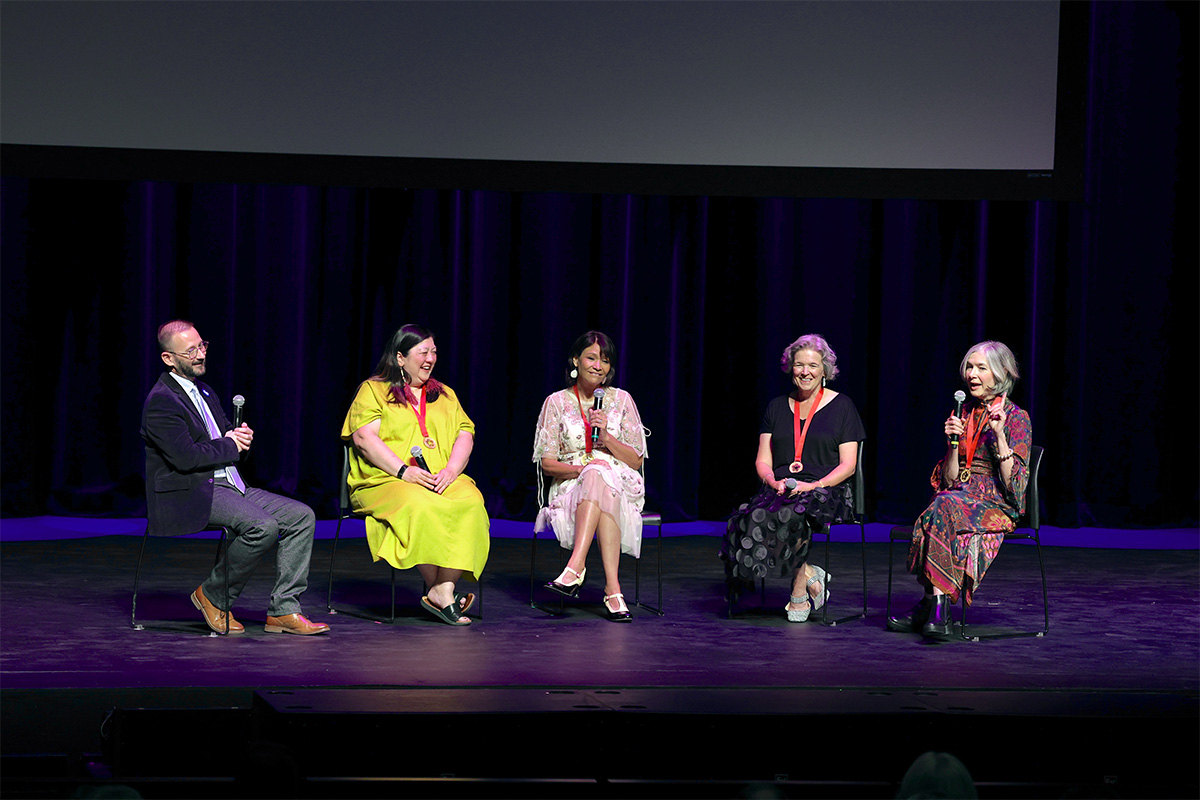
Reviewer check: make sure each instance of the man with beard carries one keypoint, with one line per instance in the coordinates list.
(192, 482)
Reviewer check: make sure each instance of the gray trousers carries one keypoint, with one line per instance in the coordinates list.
(258, 521)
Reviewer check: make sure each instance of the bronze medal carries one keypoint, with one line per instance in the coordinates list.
(795, 467)
(430, 443)
(586, 458)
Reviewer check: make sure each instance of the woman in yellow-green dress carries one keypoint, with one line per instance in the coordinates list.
(427, 516)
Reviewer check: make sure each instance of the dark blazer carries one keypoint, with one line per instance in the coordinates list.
(181, 457)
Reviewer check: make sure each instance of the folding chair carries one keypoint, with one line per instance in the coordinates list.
(649, 519)
(859, 499)
(345, 512)
(1034, 517)
(225, 535)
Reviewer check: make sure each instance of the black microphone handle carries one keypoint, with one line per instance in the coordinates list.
(237, 416)
(421, 462)
(597, 404)
(957, 413)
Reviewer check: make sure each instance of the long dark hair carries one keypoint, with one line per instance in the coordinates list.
(607, 350)
(389, 371)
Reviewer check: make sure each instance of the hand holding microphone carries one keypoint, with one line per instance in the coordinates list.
(239, 403)
(954, 425)
(426, 480)
(431, 481)
(597, 405)
(240, 432)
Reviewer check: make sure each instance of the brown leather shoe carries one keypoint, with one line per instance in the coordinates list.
(294, 623)
(214, 616)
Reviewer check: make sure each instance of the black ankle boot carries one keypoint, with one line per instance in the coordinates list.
(914, 619)
(939, 623)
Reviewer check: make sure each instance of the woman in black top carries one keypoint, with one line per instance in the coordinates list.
(770, 534)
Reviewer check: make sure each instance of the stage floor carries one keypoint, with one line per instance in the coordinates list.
(1124, 641)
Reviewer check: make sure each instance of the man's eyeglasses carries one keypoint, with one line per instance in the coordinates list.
(192, 352)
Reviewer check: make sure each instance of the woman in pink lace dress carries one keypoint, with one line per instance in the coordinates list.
(597, 489)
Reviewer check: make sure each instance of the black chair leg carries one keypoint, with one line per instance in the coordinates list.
(964, 634)
(637, 589)
(887, 611)
(1045, 596)
(224, 541)
(532, 569)
(337, 532)
(897, 533)
(136, 578)
(562, 608)
(862, 532)
(392, 616)
(137, 575)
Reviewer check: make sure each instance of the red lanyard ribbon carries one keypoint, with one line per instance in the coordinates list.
(587, 440)
(420, 415)
(976, 425)
(800, 430)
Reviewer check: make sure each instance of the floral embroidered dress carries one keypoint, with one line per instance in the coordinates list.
(941, 554)
(562, 434)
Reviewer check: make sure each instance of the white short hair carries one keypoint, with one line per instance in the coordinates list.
(1000, 361)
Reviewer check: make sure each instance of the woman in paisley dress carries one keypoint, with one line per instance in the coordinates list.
(809, 436)
(980, 490)
(597, 489)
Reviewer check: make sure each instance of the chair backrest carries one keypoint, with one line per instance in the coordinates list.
(543, 488)
(860, 486)
(344, 488)
(1033, 499)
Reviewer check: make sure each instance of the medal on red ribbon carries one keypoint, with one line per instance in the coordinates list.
(429, 441)
(800, 430)
(976, 425)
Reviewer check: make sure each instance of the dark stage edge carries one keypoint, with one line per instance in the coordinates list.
(672, 742)
(688, 704)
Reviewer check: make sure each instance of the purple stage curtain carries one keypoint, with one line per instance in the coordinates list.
(299, 286)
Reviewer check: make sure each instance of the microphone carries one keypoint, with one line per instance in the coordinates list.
(597, 404)
(959, 397)
(238, 402)
(420, 459)
(789, 484)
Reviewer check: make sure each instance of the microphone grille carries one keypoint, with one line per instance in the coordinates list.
(960, 396)
(598, 393)
(238, 401)
(790, 483)
(416, 451)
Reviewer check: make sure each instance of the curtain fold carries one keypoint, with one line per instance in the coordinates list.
(299, 286)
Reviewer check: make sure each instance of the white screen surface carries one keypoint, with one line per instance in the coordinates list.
(888, 85)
